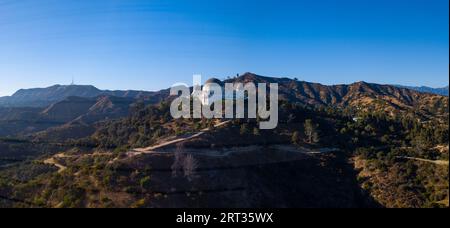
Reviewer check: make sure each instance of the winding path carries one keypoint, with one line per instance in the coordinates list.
(53, 161)
(61, 168)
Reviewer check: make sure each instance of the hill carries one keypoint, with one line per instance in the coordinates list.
(90, 105)
(237, 165)
(81, 123)
(42, 97)
(359, 95)
(357, 145)
(72, 117)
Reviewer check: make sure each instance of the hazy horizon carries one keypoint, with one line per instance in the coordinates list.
(150, 45)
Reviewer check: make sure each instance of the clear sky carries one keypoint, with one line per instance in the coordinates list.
(149, 45)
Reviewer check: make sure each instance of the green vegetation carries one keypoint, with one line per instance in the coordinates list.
(145, 182)
(311, 131)
(142, 128)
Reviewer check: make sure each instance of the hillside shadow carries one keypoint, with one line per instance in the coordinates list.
(261, 179)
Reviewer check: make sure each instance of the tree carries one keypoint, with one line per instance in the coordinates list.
(185, 163)
(244, 129)
(311, 130)
(178, 160)
(296, 138)
(256, 131)
(316, 137)
(392, 129)
(190, 166)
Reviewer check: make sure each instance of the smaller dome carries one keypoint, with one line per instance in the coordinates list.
(214, 80)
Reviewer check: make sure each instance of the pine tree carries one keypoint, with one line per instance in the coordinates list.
(311, 131)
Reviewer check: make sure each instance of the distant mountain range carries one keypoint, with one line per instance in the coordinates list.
(60, 109)
(68, 111)
(424, 89)
(42, 97)
(71, 113)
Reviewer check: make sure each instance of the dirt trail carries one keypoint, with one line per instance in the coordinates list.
(224, 152)
(53, 161)
(61, 168)
(294, 149)
(436, 162)
(221, 152)
(151, 149)
(202, 152)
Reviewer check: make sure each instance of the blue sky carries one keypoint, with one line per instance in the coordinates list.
(149, 45)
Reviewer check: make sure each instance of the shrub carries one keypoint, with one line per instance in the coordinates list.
(296, 138)
(145, 182)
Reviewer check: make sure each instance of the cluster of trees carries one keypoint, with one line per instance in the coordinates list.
(311, 132)
(185, 163)
(413, 183)
(364, 128)
(384, 141)
(141, 128)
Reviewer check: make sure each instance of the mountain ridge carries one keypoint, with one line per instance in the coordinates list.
(41, 97)
(361, 95)
(358, 95)
(425, 89)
